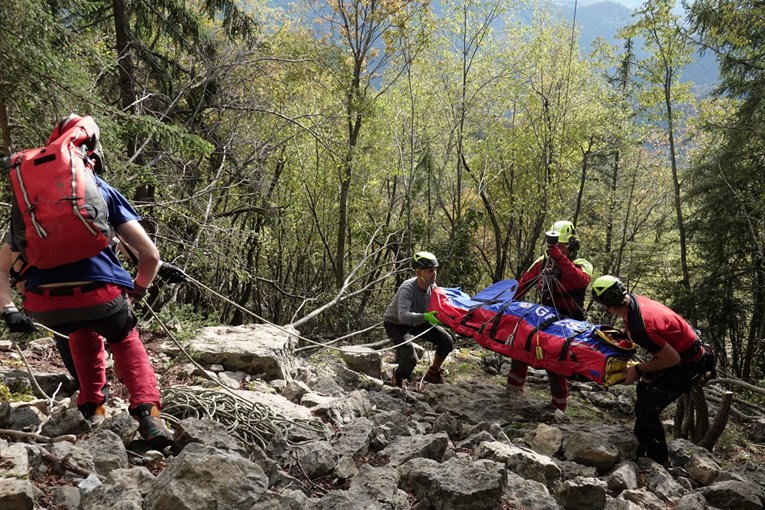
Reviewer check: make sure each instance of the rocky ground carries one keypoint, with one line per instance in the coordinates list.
(277, 430)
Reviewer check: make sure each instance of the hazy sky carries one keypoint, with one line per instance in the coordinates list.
(630, 4)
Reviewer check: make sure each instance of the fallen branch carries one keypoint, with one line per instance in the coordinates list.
(344, 294)
(737, 382)
(37, 437)
(64, 464)
(735, 411)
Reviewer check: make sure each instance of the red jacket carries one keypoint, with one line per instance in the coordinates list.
(563, 286)
(651, 325)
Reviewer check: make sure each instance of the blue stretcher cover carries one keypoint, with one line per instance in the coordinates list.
(533, 333)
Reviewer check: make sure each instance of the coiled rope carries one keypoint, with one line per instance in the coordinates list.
(250, 422)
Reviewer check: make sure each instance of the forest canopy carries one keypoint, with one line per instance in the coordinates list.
(293, 157)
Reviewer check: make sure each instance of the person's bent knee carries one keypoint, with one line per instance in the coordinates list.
(445, 344)
(407, 359)
(443, 353)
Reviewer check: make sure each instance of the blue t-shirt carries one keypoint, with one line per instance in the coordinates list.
(104, 267)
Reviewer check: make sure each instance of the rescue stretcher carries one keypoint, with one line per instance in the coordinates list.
(534, 334)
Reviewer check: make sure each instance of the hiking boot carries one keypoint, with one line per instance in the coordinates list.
(95, 414)
(433, 376)
(98, 417)
(515, 383)
(151, 427)
(560, 404)
(395, 381)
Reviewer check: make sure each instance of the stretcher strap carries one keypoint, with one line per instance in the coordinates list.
(542, 325)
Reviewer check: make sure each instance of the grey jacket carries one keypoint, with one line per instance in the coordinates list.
(408, 305)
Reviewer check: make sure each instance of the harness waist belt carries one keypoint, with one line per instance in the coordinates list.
(691, 353)
(67, 291)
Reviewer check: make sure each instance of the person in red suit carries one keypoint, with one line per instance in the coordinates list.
(560, 280)
(677, 361)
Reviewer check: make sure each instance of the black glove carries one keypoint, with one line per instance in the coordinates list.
(17, 322)
(137, 292)
(171, 273)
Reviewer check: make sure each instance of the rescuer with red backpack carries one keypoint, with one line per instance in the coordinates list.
(62, 214)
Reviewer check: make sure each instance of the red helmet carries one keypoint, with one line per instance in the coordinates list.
(62, 126)
(67, 123)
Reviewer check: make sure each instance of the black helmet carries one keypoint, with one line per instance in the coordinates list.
(609, 290)
(424, 260)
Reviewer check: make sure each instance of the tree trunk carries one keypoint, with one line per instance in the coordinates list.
(5, 129)
(354, 114)
(689, 418)
(677, 429)
(718, 424)
(689, 306)
(582, 180)
(609, 246)
(699, 402)
(499, 255)
(124, 60)
(757, 326)
(126, 74)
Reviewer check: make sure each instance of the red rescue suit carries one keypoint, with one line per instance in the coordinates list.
(563, 288)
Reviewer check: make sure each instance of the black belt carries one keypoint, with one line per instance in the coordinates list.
(67, 291)
(692, 352)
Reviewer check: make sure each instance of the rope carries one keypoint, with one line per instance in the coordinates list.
(292, 332)
(248, 421)
(349, 335)
(314, 343)
(546, 281)
(258, 317)
(35, 384)
(51, 331)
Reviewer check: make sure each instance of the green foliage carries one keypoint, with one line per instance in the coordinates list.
(6, 395)
(273, 155)
(727, 187)
(184, 322)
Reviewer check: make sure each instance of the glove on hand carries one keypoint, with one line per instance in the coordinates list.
(171, 273)
(430, 317)
(137, 292)
(554, 252)
(18, 322)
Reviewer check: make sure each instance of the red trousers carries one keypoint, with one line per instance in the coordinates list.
(558, 384)
(103, 312)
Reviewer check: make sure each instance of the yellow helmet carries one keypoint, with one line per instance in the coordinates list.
(609, 290)
(424, 260)
(565, 230)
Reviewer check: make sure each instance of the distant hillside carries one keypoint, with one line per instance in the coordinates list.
(605, 18)
(596, 18)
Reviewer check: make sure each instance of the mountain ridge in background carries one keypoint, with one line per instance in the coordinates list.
(604, 18)
(597, 18)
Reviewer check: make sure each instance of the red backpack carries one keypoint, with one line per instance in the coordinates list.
(58, 215)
